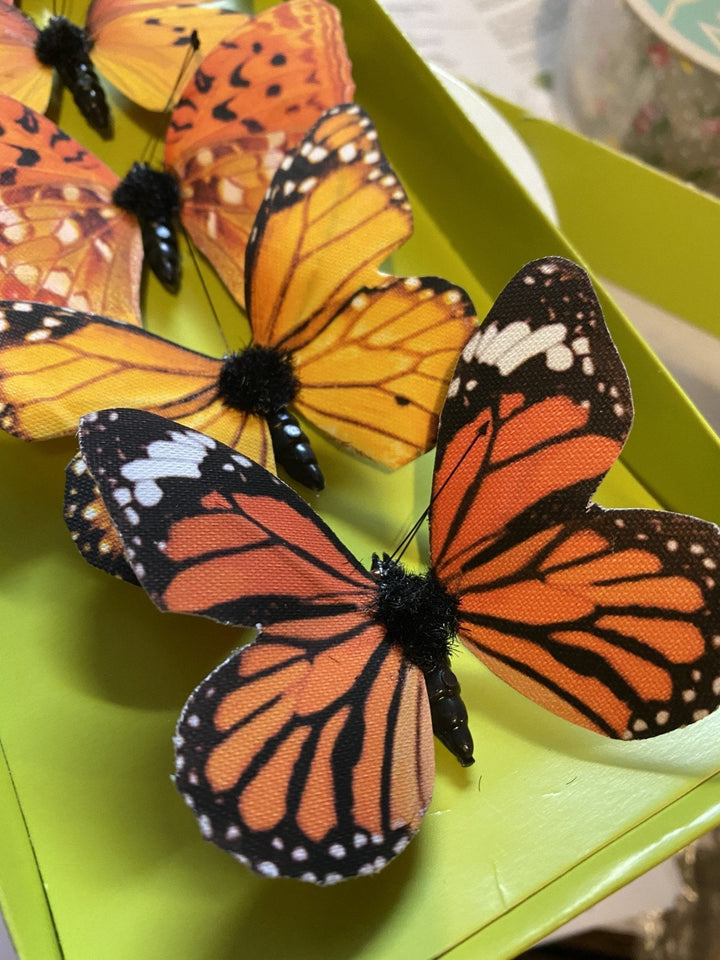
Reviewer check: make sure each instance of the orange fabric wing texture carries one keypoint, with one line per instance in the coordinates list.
(372, 353)
(63, 240)
(608, 618)
(308, 753)
(249, 102)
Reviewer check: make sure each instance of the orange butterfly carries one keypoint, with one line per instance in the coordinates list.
(308, 753)
(363, 355)
(69, 226)
(139, 46)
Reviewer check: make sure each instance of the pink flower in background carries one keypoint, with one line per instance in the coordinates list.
(658, 55)
(710, 127)
(645, 118)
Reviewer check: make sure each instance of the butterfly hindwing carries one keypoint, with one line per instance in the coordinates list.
(309, 757)
(309, 752)
(375, 378)
(609, 618)
(89, 523)
(250, 101)
(63, 240)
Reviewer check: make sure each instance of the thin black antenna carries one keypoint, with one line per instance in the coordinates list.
(193, 46)
(203, 284)
(406, 540)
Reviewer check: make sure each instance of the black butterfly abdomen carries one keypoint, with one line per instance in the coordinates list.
(153, 196)
(293, 451)
(66, 48)
(261, 380)
(448, 712)
(421, 617)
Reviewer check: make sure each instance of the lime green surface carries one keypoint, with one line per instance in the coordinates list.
(550, 817)
(667, 251)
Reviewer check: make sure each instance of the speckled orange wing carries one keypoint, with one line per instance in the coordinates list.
(89, 523)
(62, 241)
(252, 99)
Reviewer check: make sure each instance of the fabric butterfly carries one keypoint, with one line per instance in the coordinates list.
(139, 46)
(71, 229)
(365, 356)
(308, 753)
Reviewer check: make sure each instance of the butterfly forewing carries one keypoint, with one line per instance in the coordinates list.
(251, 100)
(63, 240)
(373, 353)
(141, 47)
(608, 618)
(539, 403)
(309, 752)
(58, 364)
(334, 212)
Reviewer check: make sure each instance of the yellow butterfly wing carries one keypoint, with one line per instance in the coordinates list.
(376, 377)
(336, 210)
(373, 354)
(141, 47)
(22, 76)
(57, 365)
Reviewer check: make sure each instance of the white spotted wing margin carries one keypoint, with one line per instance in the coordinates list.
(608, 618)
(309, 753)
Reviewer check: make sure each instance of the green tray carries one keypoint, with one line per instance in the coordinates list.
(98, 855)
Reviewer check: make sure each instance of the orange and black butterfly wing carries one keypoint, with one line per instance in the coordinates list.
(373, 353)
(57, 364)
(250, 101)
(62, 240)
(609, 618)
(309, 752)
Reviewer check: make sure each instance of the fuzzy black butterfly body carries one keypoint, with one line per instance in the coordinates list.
(153, 196)
(66, 48)
(261, 380)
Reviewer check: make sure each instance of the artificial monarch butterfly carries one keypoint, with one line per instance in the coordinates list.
(308, 753)
(139, 46)
(71, 229)
(365, 356)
